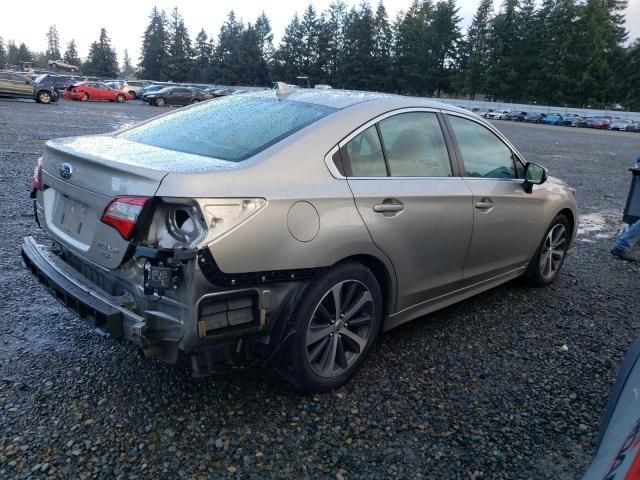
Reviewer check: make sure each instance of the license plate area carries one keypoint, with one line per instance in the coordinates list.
(70, 216)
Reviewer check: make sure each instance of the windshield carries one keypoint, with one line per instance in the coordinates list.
(231, 128)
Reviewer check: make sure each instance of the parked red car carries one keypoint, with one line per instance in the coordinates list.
(601, 122)
(95, 91)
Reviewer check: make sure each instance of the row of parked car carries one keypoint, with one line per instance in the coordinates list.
(602, 122)
(157, 94)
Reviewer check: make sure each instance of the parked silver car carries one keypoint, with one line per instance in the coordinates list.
(290, 226)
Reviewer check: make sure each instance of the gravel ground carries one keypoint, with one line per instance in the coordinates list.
(510, 384)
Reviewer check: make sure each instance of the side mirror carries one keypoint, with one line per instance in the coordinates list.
(534, 174)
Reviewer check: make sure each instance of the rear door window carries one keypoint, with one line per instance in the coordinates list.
(365, 154)
(414, 145)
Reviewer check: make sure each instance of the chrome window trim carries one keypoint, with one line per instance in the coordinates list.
(328, 160)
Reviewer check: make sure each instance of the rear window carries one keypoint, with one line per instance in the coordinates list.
(230, 128)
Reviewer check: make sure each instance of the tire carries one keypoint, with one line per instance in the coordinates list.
(85, 97)
(120, 98)
(329, 347)
(132, 94)
(195, 100)
(159, 102)
(44, 97)
(547, 262)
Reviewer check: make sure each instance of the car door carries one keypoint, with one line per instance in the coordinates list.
(181, 96)
(506, 219)
(21, 86)
(6, 87)
(105, 92)
(415, 206)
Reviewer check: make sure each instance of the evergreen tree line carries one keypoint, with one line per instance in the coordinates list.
(558, 52)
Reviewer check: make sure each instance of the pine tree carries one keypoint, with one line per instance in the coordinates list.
(445, 37)
(288, 57)
(414, 61)
(154, 54)
(179, 64)
(53, 44)
(382, 50)
(631, 75)
(527, 51)
(202, 60)
(359, 46)
(127, 67)
(601, 25)
(12, 53)
(3, 54)
(102, 60)
(265, 37)
(333, 47)
(504, 35)
(71, 54)
(476, 50)
(23, 54)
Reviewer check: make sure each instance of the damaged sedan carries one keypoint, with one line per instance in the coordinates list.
(290, 225)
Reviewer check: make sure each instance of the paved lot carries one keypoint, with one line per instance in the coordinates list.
(508, 385)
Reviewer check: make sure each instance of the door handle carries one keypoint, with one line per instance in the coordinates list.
(484, 204)
(389, 207)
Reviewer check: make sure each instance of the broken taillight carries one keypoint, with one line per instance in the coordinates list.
(122, 213)
(36, 181)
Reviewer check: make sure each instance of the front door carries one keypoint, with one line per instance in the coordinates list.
(506, 219)
(21, 86)
(417, 212)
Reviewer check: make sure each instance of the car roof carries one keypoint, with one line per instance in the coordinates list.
(341, 99)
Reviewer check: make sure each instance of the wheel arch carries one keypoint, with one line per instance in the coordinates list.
(383, 276)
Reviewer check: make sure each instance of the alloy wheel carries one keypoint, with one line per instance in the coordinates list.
(340, 328)
(553, 251)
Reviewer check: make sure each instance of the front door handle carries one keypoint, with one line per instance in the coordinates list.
(484, 204)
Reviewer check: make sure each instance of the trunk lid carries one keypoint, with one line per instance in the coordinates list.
(81, 175)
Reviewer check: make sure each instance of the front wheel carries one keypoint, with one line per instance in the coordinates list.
(336, 324)
(549, 257)
(120, 98)
(195, 100)
(44, 97)
(132, 94)
(159, 102)
(85, 97)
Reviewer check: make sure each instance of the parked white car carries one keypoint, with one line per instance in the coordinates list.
(497, 115)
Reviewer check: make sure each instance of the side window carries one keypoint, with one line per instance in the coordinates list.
(414, 145)
(365, 154)
(483, 153)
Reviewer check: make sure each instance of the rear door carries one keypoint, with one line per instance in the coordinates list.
(417, 209)
(506, 219)
(181, 96)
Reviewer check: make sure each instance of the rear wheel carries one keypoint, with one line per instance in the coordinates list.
(120, 98)
(336, 324)
(85, 97)
(44, 97)
(159, 102)
(549, 257)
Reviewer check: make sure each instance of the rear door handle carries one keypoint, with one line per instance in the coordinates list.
(388, 208)
(484, 204)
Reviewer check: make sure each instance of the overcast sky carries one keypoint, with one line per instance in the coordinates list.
(28, 20)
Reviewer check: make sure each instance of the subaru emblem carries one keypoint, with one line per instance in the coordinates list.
(66, 171)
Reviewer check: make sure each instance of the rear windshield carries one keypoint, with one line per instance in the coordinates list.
(231, 128)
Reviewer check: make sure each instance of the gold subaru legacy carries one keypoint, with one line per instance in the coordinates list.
(292, 226)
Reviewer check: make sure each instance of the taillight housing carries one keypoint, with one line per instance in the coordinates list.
(36, 181)
(122, 214)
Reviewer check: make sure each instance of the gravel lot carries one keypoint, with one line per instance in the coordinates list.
(507, 385)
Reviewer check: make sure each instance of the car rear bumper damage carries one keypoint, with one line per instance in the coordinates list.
(210, 323)
(93, 307)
